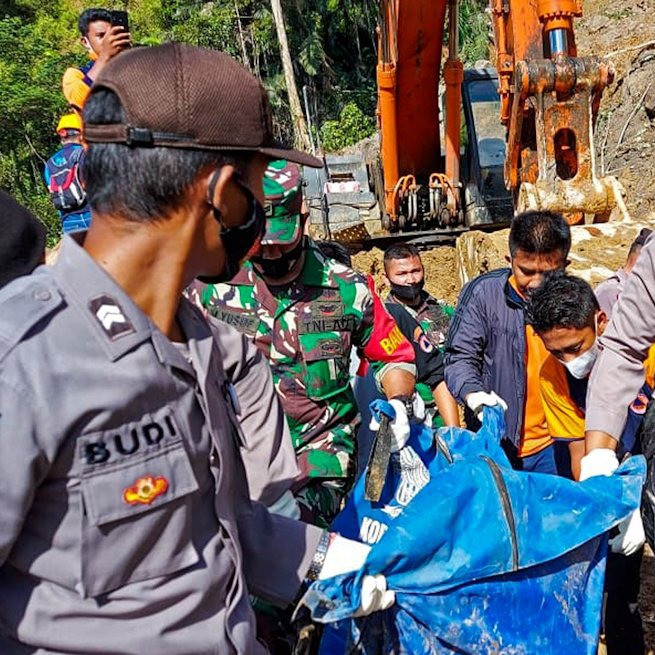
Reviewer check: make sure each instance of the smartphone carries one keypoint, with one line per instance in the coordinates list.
(120, 18)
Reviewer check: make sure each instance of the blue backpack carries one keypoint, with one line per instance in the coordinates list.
(62, 175)
(482, 558)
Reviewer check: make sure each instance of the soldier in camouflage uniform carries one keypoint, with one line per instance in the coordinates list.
(305, 312)
(405, 275)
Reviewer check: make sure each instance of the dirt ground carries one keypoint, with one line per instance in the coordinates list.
(624, 31)
(440, 275)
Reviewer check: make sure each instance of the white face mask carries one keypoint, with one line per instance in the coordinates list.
(581, 366)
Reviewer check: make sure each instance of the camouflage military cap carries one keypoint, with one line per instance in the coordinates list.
(283, 191)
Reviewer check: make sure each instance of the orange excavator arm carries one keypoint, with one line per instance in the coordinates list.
(549, 98)
(549, 102)
(410, 40)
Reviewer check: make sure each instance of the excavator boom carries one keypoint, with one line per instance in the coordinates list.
(548, 97)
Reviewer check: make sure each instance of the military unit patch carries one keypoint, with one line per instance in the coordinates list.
(334, 324)
(326, 309)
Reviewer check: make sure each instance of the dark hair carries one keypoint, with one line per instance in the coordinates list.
(400, 251)
(140, 184)
(640, 241)
(336, 251)
(562, 301)
(540, 233)
(89, 16)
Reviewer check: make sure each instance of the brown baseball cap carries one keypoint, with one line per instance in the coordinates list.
(181, 96)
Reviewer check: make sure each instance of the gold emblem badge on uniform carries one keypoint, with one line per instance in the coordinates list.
(145, 490)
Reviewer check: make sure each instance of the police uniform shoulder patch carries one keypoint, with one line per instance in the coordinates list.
(111, 317)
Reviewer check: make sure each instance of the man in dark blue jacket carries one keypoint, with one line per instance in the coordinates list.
(492, 356)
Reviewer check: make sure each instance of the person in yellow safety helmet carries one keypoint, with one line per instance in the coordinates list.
(63, 176)
(69, 127)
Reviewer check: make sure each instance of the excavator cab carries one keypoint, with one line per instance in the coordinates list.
(516, 138)
(351, 213)
(485, 199)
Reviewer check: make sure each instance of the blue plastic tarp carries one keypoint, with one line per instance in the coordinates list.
(483, 559)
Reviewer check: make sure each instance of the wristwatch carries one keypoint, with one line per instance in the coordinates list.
(319, 557)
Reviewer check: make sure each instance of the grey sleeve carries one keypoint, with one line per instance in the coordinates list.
(277, 553)
(607, 293)
(24, 462)
(268, 455)
(619, 371)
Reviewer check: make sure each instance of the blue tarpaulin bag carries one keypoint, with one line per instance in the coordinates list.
(482, 558)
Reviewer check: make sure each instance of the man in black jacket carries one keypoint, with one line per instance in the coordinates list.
(492, 356)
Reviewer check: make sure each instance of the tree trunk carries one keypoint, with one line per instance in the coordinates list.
(299, 125)
(242, 40)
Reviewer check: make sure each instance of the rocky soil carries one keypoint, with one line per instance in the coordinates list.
(624, 31)
(440, 267)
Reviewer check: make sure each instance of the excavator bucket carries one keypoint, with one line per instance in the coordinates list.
(562, 93)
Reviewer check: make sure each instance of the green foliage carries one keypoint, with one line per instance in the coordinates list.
(353, 126)
(312, 56)
(474, 31)
(332, 42)
(30, 104)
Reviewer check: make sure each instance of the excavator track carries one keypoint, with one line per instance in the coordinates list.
(422, 240)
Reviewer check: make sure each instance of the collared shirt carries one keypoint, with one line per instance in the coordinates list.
(306, 330)
(565, 416)
(619, 371)
(564, 400)
(123, 493)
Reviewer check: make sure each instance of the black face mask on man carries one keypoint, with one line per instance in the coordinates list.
(241, 241)
(410, 293)
(279, 267)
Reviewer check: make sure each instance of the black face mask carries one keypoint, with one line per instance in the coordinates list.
(278, 268)
(240, 241)
(411, 293)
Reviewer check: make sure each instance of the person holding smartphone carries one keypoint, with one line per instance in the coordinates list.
(104, 34)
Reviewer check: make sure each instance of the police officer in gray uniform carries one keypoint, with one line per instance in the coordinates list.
(126, 520)
(266, 450)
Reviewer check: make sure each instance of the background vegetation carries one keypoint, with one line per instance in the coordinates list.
(332, 45)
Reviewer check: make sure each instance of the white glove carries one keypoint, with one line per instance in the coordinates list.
(631, 537)
(375, 595)
(600, 461)
(400, 424)
(345, 555)
(478, 400)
